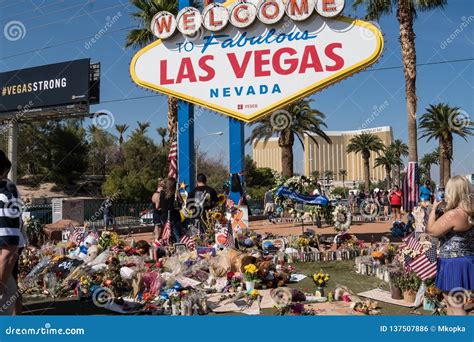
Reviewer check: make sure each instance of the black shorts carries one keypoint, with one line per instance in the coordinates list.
(396, 206)
(157, 220)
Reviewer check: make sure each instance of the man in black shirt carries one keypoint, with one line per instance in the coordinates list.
(202, 197)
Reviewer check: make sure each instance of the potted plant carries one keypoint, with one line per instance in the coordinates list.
(321, 281)
(410, 283)
(250, 276)
(431, 297)
(396, 280)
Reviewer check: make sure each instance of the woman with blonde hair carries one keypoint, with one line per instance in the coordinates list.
(454, 228)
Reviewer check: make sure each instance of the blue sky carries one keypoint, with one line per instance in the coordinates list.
(59, 30)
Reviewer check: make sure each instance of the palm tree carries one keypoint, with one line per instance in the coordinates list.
(121, 129)
(301, 120)
(364, 144)
(343, 174)
(162, 132)
(400, 149)
(427, 160)
(138, 38)
(328, 174)
(442, 122)
(406, 11)
(387, 161)
(142, 127)
(316, 174)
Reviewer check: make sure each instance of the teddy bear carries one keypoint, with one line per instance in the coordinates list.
(281, 278)
(246, 260)
(267, 274)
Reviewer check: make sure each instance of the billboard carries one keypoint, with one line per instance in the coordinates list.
(249, 67)
(45, 86)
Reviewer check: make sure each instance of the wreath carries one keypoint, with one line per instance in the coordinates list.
(342, 218)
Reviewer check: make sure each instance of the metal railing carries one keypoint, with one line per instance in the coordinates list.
(42, 212)
(125, 214)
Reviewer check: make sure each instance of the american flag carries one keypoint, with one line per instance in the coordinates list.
(431, 254)
(410, 187)
(423, 267)
(165, 236)
(188, 241)
(412, 243)
(76, 235)
(173, 159)
(229, 242)
(94, 233)
(407, 259)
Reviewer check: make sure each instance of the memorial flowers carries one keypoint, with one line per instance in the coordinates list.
(321, 280)
(250, 276)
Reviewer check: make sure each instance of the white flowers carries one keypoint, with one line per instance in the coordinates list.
(342, 218)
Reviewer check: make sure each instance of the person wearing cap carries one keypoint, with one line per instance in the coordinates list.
(11, 237)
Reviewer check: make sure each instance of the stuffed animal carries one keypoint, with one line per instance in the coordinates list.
(92, 253)
(245, 260)
(266, 274)
(281, 278)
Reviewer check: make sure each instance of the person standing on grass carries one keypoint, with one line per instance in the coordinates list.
(455, 229)
(11, 237)
(396, 197)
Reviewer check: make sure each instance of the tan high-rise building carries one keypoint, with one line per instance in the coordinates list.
(324, 156)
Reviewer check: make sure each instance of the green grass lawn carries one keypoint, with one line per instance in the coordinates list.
(343, 273)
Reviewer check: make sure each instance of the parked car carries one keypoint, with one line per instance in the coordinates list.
(146, 217)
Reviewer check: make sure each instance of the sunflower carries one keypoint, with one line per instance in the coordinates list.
(217, 216)
(221, 198)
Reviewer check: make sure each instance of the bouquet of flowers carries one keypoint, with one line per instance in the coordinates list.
(321, 279)
(108, 239)
(250, 272)
(251, 296)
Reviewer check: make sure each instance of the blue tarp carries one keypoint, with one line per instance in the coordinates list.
(299, 198)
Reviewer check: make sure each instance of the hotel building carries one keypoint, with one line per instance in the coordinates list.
(324, 156)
